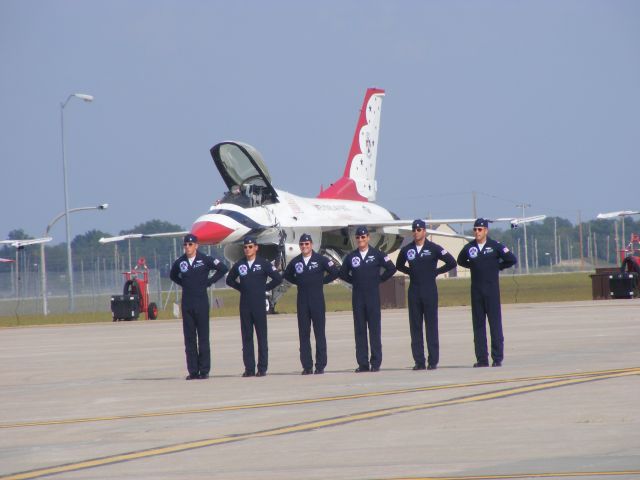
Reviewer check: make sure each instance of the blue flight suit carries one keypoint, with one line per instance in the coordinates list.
(485, 265)
(194, 280)
(422, 298)
(310, 278)
(365, 276)
(252, 284)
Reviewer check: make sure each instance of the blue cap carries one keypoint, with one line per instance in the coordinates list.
(305, 237)
(190, 238)
(481, 222)
(248, 240)
(362, 230)
(418, 223)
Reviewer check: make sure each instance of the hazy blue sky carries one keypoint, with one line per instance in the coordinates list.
(535, 101)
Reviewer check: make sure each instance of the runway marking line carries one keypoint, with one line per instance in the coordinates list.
(283, 403)
(308, 426)
(525, 475)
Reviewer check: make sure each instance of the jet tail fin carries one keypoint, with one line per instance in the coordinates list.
(358, 182)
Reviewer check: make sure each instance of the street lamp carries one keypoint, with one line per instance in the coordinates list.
(526, 253)
(548, 254)
(43, 273)
(86, 98)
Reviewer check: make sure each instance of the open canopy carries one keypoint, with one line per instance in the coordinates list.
(243, 170)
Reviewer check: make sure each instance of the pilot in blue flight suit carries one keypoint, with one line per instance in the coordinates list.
(485, 258)
(191, 272)
(310, 271)
(422, 257)
(249, 277)
(362, 269)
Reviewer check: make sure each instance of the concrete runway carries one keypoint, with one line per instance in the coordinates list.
(99, 401)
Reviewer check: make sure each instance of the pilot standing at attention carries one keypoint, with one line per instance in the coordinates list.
(485, 258)
(191, 272)
(362, 269)
(422, 256)
(310, 271)
(249, 277)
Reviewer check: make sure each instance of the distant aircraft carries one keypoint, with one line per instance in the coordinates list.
(24, 243)
(277, 218)
(619, 213)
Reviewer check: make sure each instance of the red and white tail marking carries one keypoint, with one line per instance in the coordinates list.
(358, 181)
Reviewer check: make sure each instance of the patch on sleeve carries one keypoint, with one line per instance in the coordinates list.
(216, 261)
(330, 263)
(505, 250)
(444, 252)
(386, 258)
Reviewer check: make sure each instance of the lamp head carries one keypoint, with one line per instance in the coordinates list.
(103, 206)
(84, 96)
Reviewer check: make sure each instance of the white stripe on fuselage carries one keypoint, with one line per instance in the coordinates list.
(297, 214)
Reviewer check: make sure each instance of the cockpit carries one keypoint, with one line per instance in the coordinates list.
(245, 174)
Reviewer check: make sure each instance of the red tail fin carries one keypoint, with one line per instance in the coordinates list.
(358, 182)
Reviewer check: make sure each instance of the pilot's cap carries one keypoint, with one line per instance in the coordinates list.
(481, 222)
(362, 231)
(190, 238)
(418, 223)
(305, 237)
(249, 240)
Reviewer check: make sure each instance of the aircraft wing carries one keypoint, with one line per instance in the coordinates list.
(621, 213)
(404, 226)
(24, 243)
(130, 236)
(514, 221)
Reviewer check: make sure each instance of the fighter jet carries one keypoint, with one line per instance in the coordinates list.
(252, 205)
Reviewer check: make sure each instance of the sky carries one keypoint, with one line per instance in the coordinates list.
(534, 102)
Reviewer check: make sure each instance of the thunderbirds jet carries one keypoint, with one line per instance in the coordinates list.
(252, 205)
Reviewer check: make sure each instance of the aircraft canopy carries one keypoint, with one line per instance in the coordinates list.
(245, 173)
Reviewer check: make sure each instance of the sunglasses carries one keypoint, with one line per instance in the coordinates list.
(478, 229)
(361, 237)
(190, 244)
(304, 244)
(248, 247)
(418, 229)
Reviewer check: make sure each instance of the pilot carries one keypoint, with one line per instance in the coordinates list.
(362, 268)
(191, 272)
(249, 277)
(485, 258)
(310, 271)
(422, 257)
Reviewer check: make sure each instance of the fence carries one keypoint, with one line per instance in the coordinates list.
(22, 294)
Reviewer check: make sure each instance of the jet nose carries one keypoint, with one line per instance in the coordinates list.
(210, 232)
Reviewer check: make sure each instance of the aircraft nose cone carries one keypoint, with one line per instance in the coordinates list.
(210, 232)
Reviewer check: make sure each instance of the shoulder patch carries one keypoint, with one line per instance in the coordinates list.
(505, 250)
(386, 258)
(444, 252)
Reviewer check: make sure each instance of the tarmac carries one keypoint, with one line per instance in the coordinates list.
(97, 401)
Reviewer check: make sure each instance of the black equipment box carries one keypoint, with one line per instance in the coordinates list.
(125, 307)
(623, 285)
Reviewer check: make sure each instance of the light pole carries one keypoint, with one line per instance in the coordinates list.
(43, 269)
(526, 253)
(86, 98)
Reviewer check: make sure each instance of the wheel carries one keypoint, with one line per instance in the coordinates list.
(152, 311)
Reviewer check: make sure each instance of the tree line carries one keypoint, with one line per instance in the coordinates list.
(552, 241)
